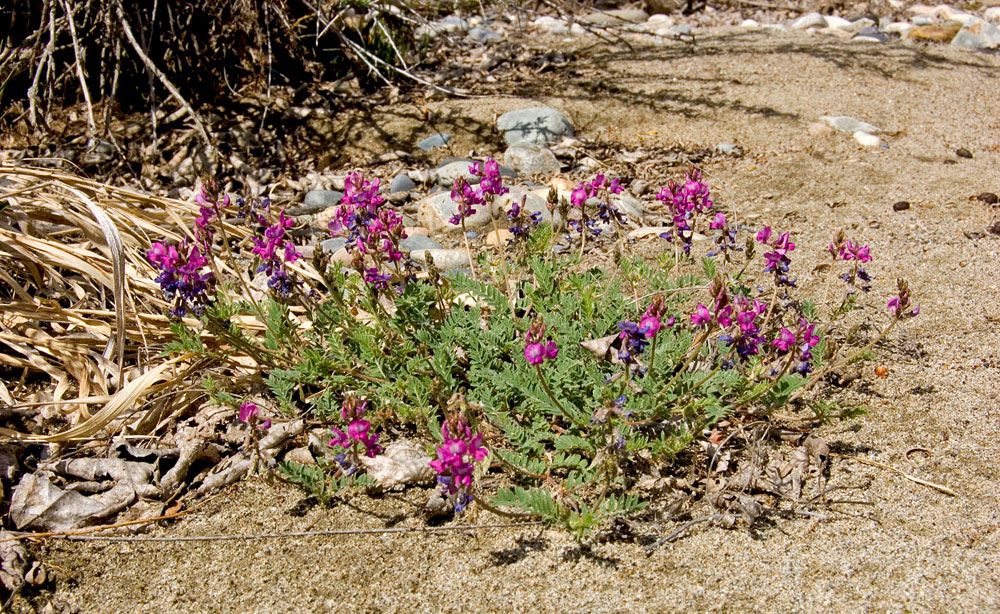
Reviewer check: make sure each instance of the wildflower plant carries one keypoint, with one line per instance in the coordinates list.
(570, 382)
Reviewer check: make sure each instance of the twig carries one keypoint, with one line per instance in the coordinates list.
(912, 478)
(768, 5)
(162, 77)
(33, 99)
(287, 534)
(684, 527)
(71, 18)
(104, 527)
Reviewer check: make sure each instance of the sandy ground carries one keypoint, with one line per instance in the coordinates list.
(911, 550)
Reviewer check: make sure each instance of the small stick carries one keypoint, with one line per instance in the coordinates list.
(683, 527)
(253, 536)
(912, 478)
(104, 527)
(151, 67)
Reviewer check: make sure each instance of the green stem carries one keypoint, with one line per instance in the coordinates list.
(468, 250)
(548, 391)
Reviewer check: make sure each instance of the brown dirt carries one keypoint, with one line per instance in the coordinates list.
(912, 550)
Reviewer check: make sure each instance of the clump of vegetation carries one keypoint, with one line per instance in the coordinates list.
(569, 384)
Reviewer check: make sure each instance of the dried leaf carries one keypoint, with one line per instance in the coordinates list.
(403, 462)
(13, 562)
(38, 503)
(599, 347)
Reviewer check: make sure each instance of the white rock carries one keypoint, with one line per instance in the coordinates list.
(750, 24)
(867, 140)
(661, 20)
(899, 27)
(545, 22)
(860, 24)
(966, 19)
(943, 11)
(832, 21)
(992, 14)
(922, 20)
(812, 20)
(921, 9)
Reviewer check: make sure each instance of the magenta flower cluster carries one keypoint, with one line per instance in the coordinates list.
(803, 339)
(596, 188)
(746, 337)
(456, 460)
(900, 306)
(372, 230)
(182, 277)
(275, 251)
(210, 208)
(358, 437)
(636, 336)
(248, 414)
(684, 203)
(777, 261)
(721, 313)
(538, 349)
(848, 251)
(467, 197)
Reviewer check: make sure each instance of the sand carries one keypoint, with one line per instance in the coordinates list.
(910, 549)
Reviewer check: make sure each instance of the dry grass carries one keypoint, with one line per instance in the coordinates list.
(82, 319)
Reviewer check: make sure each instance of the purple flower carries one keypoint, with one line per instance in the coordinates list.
(785, 340)
(777, 260)
(719, 222)
(685, 202)
(701, 315)
(268, 248)
(248, 411)
(181, 278)
(456, 459)
(899, 305)
(537, 351)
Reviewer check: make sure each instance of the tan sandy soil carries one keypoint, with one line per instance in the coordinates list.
(912, 550)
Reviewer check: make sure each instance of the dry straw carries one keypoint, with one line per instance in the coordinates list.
(82, 308)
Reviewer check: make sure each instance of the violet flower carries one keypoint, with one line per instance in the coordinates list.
(358, 436)
(684, 203)
(777, 261)
(899, 306)
(181, 278)
(456, 460)
(537, 350)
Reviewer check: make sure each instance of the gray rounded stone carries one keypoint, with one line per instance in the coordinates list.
(533, 203)
(530, 159)
(482, 35)
(444, 259)
(401, 183)
(535, 126)
(331, 246)
(977, 36)
(812, 20)
(321, 199)
(435, 212)
(418, 242)
(448, 173)
(435, 140)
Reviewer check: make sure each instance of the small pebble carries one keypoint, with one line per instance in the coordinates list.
(995, 228)
(900, 206)
(867, 140)
(962, 152)
(989, 198)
